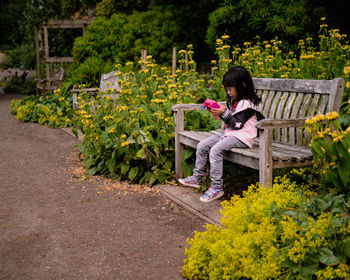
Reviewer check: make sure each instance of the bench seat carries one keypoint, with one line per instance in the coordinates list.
(283, 154)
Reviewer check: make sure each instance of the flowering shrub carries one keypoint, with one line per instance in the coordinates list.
(53, 110)
(135, 139)
(330, 146)
(324, 58)
(274, 233)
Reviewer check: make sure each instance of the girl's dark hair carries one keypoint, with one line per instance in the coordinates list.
(239, 78)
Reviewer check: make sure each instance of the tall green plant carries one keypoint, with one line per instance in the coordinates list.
(123, 36)
(330, 146)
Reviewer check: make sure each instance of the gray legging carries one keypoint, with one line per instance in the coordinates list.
(215, 146)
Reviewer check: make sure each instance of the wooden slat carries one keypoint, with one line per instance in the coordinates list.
(294, 113)
(302, 113)
(294, 85)
(64, 23)
(286, 115)
(323, 104)
(271, 123)
(268, 102)
(310, 113)
(275, 103)
(279, 112)
(263, 96)
(66, 59)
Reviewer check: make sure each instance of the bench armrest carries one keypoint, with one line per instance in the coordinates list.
(78, 90)
(186, 107)
(48, 80)
(191, 107)
(280, 123)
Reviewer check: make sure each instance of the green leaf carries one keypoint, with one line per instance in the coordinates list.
(187, 153)
(152, 179)
(110, 163)
(124, 168)
(327, 257)
(133, 173)
(316, 148)
(346, 247)
(308, 270)
(141, 154)
(344, 170)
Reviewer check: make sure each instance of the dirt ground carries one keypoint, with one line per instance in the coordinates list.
(56, 224)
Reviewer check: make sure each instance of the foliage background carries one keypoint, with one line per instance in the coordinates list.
(198, 22)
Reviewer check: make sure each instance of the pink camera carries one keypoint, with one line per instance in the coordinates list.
(209, 104)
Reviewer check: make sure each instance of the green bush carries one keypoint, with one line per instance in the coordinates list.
(90, 71)
(23, 57)
(244, 19)
(108, 7)
(53, 110)
(17, 84)
(123, 36)
(274, 233)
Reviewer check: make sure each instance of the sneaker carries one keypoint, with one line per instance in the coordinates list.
(190, 181)
(211, 194)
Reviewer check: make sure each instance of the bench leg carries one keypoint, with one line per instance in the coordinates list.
(179, 127)
(265, 162)
(178, 158)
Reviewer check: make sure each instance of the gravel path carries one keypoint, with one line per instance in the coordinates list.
(55, 224)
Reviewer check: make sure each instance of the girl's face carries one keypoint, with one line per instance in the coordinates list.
(232, 92)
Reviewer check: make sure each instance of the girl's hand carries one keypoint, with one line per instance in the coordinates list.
(218, 111)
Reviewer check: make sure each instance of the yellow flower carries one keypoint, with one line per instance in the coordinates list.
(224, 37)
(125, 144)
(346, 70)
(219, 42)
(332, 115)
(124, 136)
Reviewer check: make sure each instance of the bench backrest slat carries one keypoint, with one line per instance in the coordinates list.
(294, 98)
(109, 81)
(279, 113)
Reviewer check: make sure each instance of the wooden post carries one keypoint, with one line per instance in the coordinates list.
(143, 58)
(47, 53)
(265, 161)
(37, 55)
(173, 71)
(179, 127)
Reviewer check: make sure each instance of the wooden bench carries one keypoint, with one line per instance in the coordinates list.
(109, 86)
(50, 84)
(286, 104)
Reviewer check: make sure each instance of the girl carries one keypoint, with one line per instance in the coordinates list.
(240, 118)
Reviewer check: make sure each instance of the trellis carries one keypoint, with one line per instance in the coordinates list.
(44, 25)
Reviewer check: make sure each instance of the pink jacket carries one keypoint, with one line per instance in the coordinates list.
(248, 132)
